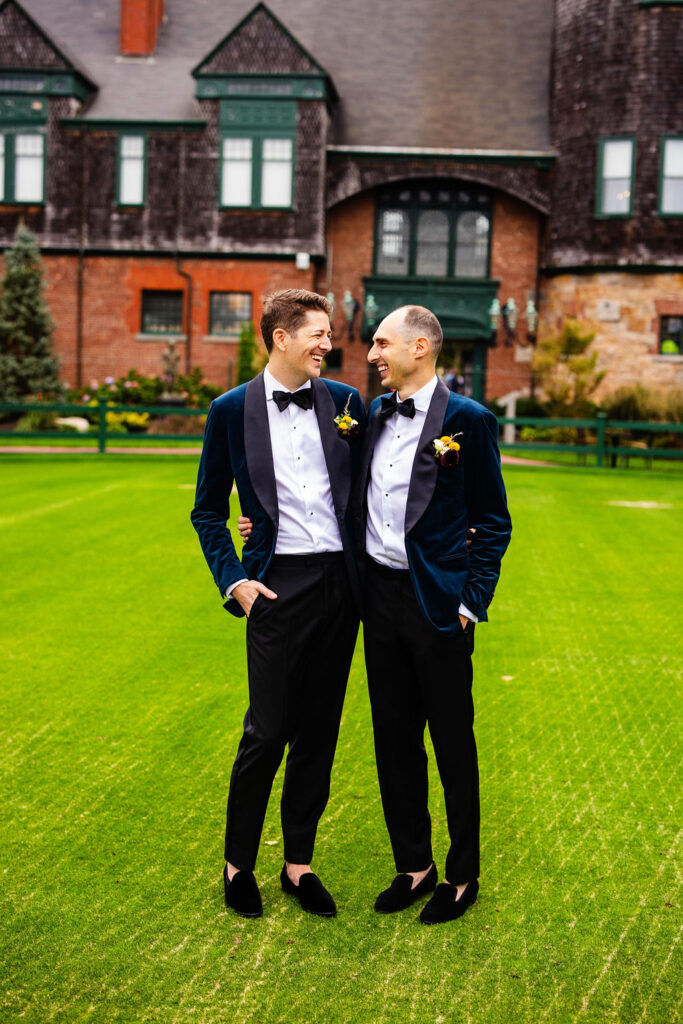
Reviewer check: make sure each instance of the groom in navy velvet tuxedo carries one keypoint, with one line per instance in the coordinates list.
(276, 438)
(430, 473)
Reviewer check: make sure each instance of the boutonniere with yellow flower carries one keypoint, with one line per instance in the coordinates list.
(346, 426)
(446, 449)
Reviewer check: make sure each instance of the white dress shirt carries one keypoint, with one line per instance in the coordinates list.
(307, 521)
(390, 472)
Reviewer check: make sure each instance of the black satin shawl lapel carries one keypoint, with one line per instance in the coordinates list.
(257, 447)
(369, 441)
(425, 466)
(335, 448)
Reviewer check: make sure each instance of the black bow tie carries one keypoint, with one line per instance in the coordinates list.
(304, 398)
(391, 404)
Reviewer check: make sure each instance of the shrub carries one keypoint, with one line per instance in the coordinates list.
(137, 389)
(531, 407)
(175, 423)
(37, 421)
(564, 435)
(135, 422)
(195, 390)
(567, 373)
(535, 434)
(246, 352)
(634, 402)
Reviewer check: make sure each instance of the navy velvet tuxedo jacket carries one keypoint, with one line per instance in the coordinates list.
(237, 449)
(443, 502)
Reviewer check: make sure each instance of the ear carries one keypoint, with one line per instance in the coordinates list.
(280, 339)
(422, 348)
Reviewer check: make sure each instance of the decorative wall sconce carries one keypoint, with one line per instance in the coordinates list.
(510, 313)
(371, 312)
(351, 307)
(531, 317)
(494, 319)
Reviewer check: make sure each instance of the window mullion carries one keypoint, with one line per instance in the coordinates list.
(256, 170)
(452, 216)
(9, 167)
(412, 246)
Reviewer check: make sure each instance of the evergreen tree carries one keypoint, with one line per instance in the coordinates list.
(568, 374)
(27, 366)
(246, 352)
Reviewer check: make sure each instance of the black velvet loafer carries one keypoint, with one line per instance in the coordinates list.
(400, 895)
(444, 905)
(310, 892)
(242, 894)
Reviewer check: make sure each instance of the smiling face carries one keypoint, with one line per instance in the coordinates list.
(296, 357)
(399, 358)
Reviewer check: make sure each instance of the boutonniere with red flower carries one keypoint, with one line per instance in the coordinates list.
(346, 426)
(446, 449)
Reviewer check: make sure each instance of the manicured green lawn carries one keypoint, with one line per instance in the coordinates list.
(123, 694)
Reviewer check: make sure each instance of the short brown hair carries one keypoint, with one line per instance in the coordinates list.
(422, 323)
(287, 309)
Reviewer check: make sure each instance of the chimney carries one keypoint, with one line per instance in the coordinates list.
(140, 20)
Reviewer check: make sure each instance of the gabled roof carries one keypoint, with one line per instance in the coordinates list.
(447, 73)
(25, 46)
(259, 44)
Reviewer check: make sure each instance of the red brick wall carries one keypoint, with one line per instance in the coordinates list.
(112, 290)
(350, 239)
(514, 261)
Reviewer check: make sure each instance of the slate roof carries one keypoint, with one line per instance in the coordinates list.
(471, 74)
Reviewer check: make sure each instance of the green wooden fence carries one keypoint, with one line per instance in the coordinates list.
(608, 440)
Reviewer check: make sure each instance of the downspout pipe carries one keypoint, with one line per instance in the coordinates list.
(188, 329)
(80, 269)
(178, 258)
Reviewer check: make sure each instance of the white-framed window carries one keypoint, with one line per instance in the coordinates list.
(616, 160)
(22, 167)
(671, 185)
(276, 172)
(131, 176)
(238, 172)
(257, 171)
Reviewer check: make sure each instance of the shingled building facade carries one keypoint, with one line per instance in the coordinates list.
(179, 161)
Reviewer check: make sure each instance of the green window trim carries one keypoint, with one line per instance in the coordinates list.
(662, 166)
(258, 141)
(413, 208)
(9, 158)
(660, 3)
(121, 144)
(599, 180)
(257, 123)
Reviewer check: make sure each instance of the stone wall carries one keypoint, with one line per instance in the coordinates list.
(624, 310)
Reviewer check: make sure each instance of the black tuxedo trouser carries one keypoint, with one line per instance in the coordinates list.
(418, 676)
(299, 650)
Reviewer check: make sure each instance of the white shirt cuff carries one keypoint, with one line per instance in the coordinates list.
(464, 610)
(228, 593)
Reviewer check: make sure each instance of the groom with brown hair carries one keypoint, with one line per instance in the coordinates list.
(281, 439)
